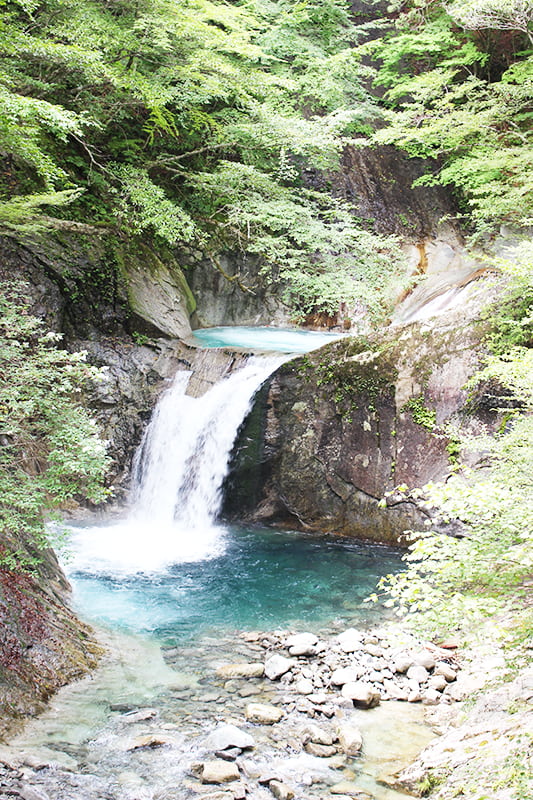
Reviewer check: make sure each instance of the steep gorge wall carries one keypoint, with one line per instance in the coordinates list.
(348, 423)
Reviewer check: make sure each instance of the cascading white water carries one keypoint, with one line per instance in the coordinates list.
(183, 458)
(179, 470)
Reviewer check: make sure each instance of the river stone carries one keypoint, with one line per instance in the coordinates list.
(218, 796)
(302, 644)
(31, 793)
(431, 697)
(362, 694)
(350, 640)
(249, 670)
(139, 715)
(402, 662)
(149, 740)
(424, 659)
(395, 691)
(263, 714)
(438, 682)
(418, 674)
(318, 699)
(227, 735)
(320, 750)
(350, 739)
(219, 772)
(345, 675)
(277, 665)
(280, 790)
(442, 668)
(304, 686)
(318, 734)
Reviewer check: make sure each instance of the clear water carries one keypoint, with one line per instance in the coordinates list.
(282, 340)
(250, 579)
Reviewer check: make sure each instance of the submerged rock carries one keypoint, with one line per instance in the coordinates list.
(250, 670)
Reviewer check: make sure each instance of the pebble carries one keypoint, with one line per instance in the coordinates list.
(318, 734)
(304, 686)
(345, 675)
(442, 668)
(149, 741)
(417, 673)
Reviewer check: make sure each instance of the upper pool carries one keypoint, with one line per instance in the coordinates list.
(281, 340)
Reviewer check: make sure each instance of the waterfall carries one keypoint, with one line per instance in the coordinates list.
(179, 470)
(184, 456)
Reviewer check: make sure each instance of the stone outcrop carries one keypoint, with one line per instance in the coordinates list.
(348, 423)
(232, 291)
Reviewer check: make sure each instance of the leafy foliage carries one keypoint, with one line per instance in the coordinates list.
(153, 107)
(50, 451)
(463, 99)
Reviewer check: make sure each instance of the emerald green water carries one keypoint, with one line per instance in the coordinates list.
(254, 578)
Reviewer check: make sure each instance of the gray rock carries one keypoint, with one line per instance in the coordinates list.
(394, 691)
(318, 734)
(304, 686)
(318, 698)
(149, 741)
(431, 697)
(277, 665)
(227, 735)
(402, 662)
(31, 793)
(438, 682)
(139, 715)
(424, 659)
(442, 668)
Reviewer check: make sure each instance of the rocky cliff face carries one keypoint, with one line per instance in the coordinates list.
(352, 421)
(43, 645)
